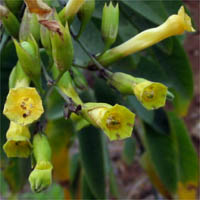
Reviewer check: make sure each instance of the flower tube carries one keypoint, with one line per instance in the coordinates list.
(174, 25)
(70, 10)
(116, 121)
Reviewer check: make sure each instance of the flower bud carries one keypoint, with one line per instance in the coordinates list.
(29, 58)
(69, 11)
(29, 26)
(14, 6)
(23, 105)
(110, 22)
(10, 22)
(62, 47)
(18, 78)
(41, 177)
(174, 25)
(18, 141)
(45, 39)
(152, 95)
(116, 121)
(85, 14)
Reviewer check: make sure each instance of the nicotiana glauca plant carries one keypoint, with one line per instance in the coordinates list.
(95, 72)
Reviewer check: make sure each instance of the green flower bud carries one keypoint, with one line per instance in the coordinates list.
(14, 6)
(110, 22)
(45, 39)
(62, 47)
(29, 58)
(41, 177)
(29, 26)
(152, 95)
(85, 14)
(18, 77)
(69, 11)
(9, 21)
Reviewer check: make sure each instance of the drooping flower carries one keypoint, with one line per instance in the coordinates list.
(18, 141)
(23, 105)
(116, 121)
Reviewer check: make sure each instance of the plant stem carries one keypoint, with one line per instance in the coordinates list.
(92, 57)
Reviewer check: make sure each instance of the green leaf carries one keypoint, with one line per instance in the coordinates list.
(152, 10)
(178, 69)
(85, 190)
(187, 156)
(16, 173)
(161, 149)
(129, 150)
(54, 192)
(92, 159)
(74, 175)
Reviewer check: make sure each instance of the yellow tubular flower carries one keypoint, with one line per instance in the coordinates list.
(174, 25)
(23, 105)
(152, 95)
(18, 144)
(70, 10)
(116, 121)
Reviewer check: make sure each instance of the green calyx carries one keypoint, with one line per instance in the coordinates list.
(9, 21)
(110, 22)
(41, 148)
(29, 26)
(29, 58)
(62, 48)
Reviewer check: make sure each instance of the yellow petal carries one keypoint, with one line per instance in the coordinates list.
(18, 146)
(23, 105)
(118, 122)
(152, 95)
(186, 20)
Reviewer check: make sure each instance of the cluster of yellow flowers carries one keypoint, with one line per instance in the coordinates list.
(23, 105)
